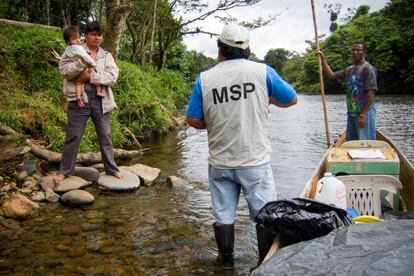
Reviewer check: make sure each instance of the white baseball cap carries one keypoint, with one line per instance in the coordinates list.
(235, 36)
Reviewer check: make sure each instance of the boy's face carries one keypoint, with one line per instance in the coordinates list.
(75, 40)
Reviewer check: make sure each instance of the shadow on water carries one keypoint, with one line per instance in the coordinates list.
(167, 231)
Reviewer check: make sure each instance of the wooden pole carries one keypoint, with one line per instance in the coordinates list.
(325, 112)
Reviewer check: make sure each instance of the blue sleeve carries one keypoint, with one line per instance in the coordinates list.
(277, 88)
(195, 106)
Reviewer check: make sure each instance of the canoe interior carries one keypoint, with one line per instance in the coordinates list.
(406, 172)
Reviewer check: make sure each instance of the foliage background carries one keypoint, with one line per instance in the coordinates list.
(32, 101)
(156, 69)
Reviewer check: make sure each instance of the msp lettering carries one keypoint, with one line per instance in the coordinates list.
(234, 92)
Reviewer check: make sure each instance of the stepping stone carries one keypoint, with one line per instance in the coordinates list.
(70, 183)
(129, 182)
(51, 196)
(87, 173)
(77, 197)
(147, 174)
(46, 182)
(174, 181)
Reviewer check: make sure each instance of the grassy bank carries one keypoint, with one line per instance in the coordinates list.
(32, 101)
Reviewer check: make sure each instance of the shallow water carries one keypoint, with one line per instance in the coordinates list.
(161, 230)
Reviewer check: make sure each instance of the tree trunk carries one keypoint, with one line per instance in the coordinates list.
(55, 157)
(154, 21)
(26, 24)
(116, 15)
(26, 10)
(88, 158)
(47, 9)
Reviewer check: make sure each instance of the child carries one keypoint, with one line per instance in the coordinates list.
(76, 51)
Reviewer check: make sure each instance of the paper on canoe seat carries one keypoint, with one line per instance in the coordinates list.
(366, 154)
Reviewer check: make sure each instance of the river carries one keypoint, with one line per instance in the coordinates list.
(167, 231)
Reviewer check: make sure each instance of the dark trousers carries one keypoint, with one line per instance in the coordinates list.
(77, 119)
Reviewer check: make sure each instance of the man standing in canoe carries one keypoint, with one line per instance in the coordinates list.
(361, 83)
(231, 101)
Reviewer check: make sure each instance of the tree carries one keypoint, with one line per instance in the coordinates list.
(116, 12)
(334, 11)
(172, 26)
(276, 58)
(354, 13)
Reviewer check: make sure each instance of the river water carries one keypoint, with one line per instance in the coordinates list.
(167, 231)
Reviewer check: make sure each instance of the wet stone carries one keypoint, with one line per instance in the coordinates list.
(77, 197)
(10, 224)
(115, 221)
(22, 175)
(94, 227)
(107, 250)
(66, 241)
(77, 252)
(38, 196)
(174, 181)
(43, 229)
(149, 175)
(71, 230)
(71, 183)
(87, 173)
(85, 227)
(6, 265)
(22, 253)
(51, 263)
(129, 182)
(94, 214)
(7, 252)
(25, 191)
(29, 184)
(95, 270)
(46, 182)
(51, 196)
(62, 247)
(96, 221)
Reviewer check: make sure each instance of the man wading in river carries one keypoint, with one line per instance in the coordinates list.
(231, 101)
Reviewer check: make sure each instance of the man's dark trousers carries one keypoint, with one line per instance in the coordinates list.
(77, 119)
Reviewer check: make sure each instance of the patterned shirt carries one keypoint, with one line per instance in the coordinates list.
(358, 79)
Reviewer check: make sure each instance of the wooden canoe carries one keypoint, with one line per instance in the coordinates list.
(406, 174)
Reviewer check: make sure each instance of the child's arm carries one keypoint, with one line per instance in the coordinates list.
(109, 75)
(80, 52)
(70, 68)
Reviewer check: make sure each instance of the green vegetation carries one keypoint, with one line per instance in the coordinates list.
(32, 101)
(389, 36)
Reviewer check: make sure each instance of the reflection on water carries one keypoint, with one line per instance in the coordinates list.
(159, 230)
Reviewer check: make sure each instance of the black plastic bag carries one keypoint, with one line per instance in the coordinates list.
(301, 219)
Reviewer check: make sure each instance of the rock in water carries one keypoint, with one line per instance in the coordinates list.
(18, 206)
(87, 173)
(29, 166)
(147, 174)
(129, 182)
(70, 183)
(77, 197)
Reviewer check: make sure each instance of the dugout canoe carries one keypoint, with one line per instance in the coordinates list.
(406, 172)
(406, 177)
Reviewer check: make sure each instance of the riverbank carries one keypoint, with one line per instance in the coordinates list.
(32, 100)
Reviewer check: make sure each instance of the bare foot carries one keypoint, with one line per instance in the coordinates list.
(118, 175)
(57, 178)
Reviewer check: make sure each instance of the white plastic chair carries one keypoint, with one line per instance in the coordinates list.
(363, 192)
